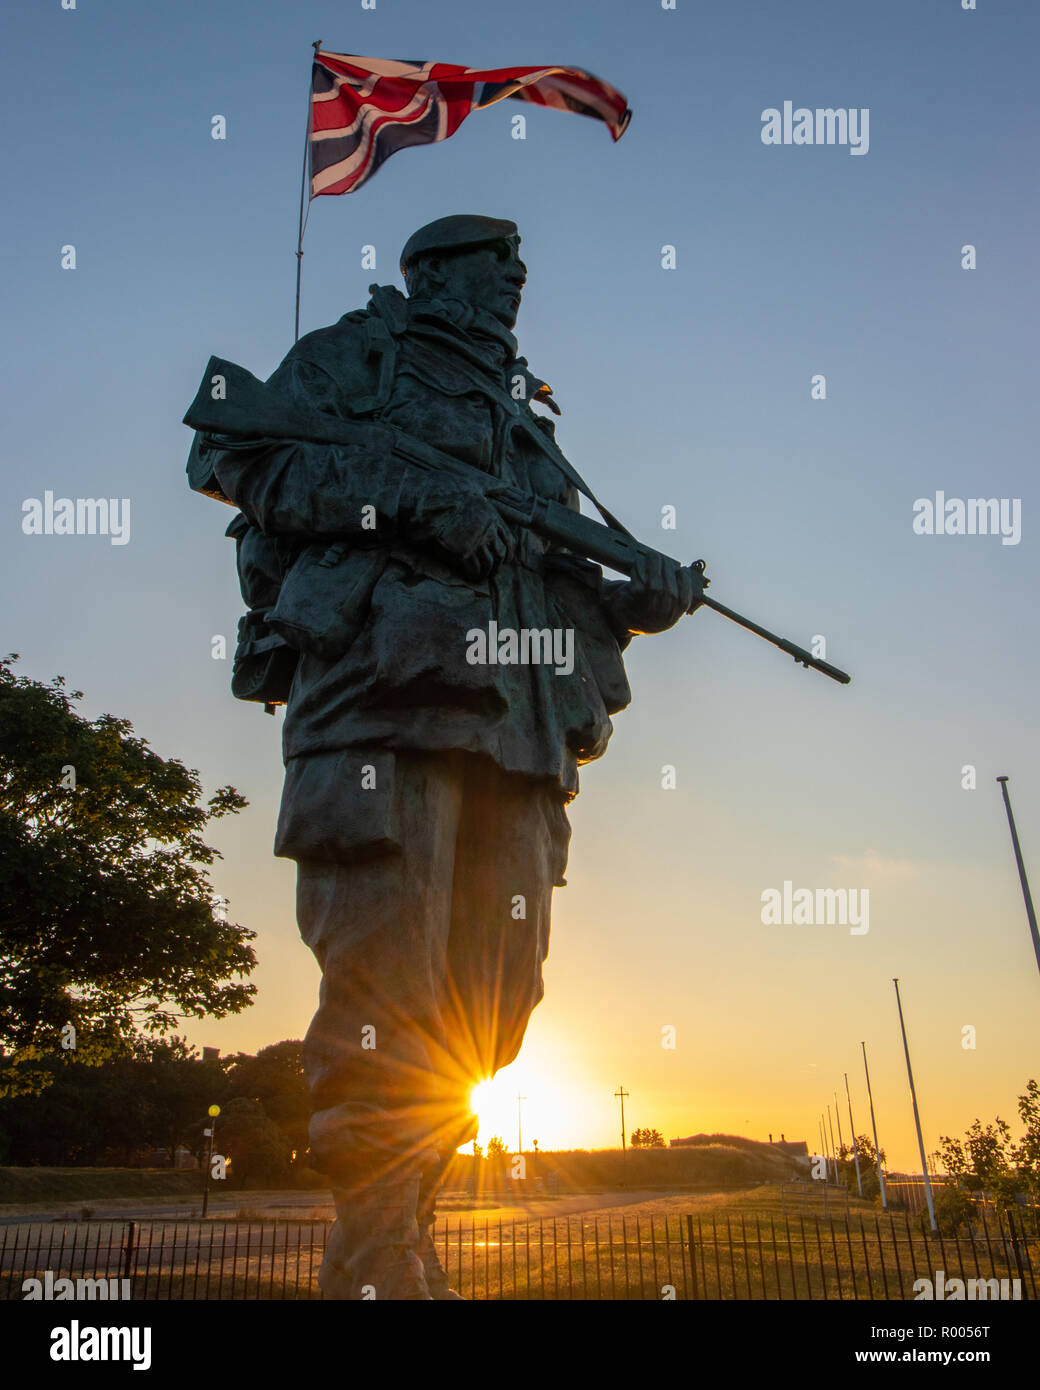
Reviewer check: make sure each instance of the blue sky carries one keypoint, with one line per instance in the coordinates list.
(688, 387)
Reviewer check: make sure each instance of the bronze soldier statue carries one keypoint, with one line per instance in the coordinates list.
(426, 786)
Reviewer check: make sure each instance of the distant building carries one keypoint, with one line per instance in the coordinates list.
(796, 1148)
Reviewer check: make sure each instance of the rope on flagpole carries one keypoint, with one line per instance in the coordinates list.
(305, 202)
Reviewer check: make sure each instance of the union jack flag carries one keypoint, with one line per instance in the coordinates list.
(365, 109)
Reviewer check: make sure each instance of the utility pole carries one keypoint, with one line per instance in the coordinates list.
(852, 1127)
(834, 1158)
(622, 1093)
(873, 1126)
(1030, 914)
(519, 1127)
(917, 1117)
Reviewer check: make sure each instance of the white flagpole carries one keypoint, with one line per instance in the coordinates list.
(1030, 913)
(873, 1126)
(917, 1117)
(852, 1128)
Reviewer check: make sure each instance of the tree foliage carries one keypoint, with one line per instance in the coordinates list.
(107, 917)
(274, 1078)
(147, 1098)
(258, 1152)
(647, 1139)
(988, 1158)
(868, 1164)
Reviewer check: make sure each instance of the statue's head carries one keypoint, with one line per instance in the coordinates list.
(474, 259)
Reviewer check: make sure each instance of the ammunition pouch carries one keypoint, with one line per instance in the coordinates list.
(324, 599)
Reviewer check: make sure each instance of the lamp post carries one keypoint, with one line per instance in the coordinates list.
(212, 1112)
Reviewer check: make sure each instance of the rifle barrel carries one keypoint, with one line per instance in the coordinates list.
(800, 655)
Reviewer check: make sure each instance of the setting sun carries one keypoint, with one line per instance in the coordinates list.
(543, 1099)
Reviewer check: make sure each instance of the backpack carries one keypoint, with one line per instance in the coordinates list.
(264, 663)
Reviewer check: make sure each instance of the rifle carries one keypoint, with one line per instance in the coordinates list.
(246, 408)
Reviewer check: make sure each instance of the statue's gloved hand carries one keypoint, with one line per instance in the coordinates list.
(657, 595)
(471, 530)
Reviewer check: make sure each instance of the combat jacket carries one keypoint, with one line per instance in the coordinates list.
(381, 616)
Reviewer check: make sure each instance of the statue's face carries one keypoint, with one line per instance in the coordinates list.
(488, 277)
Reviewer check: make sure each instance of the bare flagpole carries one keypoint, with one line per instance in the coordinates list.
(852, 1128)
(1030, 913)
(917, 1117)
(304, 200)
(873, 1125)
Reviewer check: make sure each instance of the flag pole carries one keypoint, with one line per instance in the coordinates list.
(304, 200)
(1030, 913)
(852, 1129)
(917, 1117)
(873, 1125)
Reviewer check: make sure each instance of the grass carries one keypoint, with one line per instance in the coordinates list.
(23, 1185)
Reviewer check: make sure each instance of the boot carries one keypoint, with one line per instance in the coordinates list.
(436, 1277)
(373, 1248)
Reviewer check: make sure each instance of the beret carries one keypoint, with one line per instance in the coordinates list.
(447, 233)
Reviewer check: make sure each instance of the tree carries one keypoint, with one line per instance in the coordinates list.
(149, 1098)
(107, 917)
(647, 1139)
(257, 1150)
(953, 1208)
(987, 1159)
(178, 1088)
(1027, 1153)
(497, 1148)
(984, 1159)
(868, 1161)
(275, 1078)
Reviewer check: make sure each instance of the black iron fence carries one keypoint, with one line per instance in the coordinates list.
(572, 1257)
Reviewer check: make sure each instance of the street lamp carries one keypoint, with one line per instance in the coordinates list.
(212, 1112)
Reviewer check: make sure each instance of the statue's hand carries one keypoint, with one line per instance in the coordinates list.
(472, 530)
(657, 595)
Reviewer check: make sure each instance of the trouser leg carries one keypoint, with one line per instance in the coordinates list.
(375, 1055)
(431, 962)
(508, 854)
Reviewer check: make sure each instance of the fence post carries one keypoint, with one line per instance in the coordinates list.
(1014, 1246)
(128, 1256)
(693, 1254)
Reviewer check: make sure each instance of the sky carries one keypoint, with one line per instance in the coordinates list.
(690, 388)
